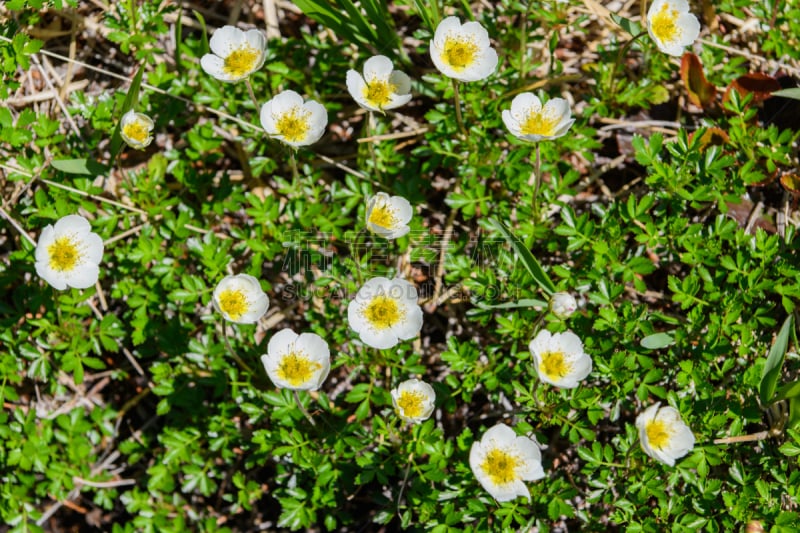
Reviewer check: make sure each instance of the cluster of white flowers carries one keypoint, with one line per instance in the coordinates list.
(385, 312)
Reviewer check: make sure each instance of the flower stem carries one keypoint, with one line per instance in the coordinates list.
(293, 162)
(252, 93)
(405, 480)
(372, 131)
(537, 180)
(303, 409)
(236, 357)
(620, 55)
(459, 120)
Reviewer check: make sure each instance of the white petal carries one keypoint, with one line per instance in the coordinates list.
(690, 26)
(377, 67)
(355, 86)
(50, 276)
(280, 342)
(380, 339)
(313, 345)
(402, 84)
(256, 39)
(212, 65)
(72, 224)
(411, 324)
(94, 248)
(358, 322)
(268, 118)
(46, 238)
(224, 39)
(500, 435)
(450, 24)
(83, 276)
(286, 100)
(477, 32)
(524, 102)
(403, 208)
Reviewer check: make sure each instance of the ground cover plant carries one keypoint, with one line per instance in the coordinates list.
(378, 266)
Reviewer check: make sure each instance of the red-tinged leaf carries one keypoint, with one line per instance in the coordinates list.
(791, 182)
(701, 93)
(760, 85)
(712, 136)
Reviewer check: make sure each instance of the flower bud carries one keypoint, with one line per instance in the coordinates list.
(563, 304)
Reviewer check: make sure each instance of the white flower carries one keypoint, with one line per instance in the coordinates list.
(385, 311)
(559, 358)
(531, 122)
(68, 254)
(463, 52)
(388, 216)
(413, 400)
(563, 304)
(235, 53)
(135, 128)
(502, 461)
(671, 26)
(240, 299)
(663, 434)
(293, 121)
(381, 87)
(297, 362)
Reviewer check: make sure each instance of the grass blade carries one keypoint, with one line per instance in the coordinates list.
(531, 264)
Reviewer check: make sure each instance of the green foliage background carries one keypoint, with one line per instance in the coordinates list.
(124, 411)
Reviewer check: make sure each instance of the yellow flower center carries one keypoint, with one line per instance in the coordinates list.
(382, 215)
(539, 124)
(383, 312)
(664, 24)
(293, 125)
(459, 52)
(501, 466)
(378, 93)
(554, 365)
(64, 254)
(658, 434)
(241, 62)
(233, 302)
(297, 368)
(411, 404)
(136, 130)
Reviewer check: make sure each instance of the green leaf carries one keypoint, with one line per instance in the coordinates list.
(88, 167)
(772, 368)
(634, 28)
(794, 92)
(525, 302)
(131, 98)
(656, 341)
(530, 262)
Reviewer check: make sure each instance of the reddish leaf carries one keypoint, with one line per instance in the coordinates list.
(791, 182)
(701, 93)
(713, 136)
(760, 85)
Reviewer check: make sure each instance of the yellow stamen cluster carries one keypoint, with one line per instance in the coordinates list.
(378, 93)
(501, 466)
(658, 434)
(459, 52)
(554, 365)
(296, 368)
(664, 24)
(234, 303)
(240, 62)
(411, 403)
(383, 312)
(538, 124)
(383, 216)
(64, 254)
(136, 130)
(293, 125)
